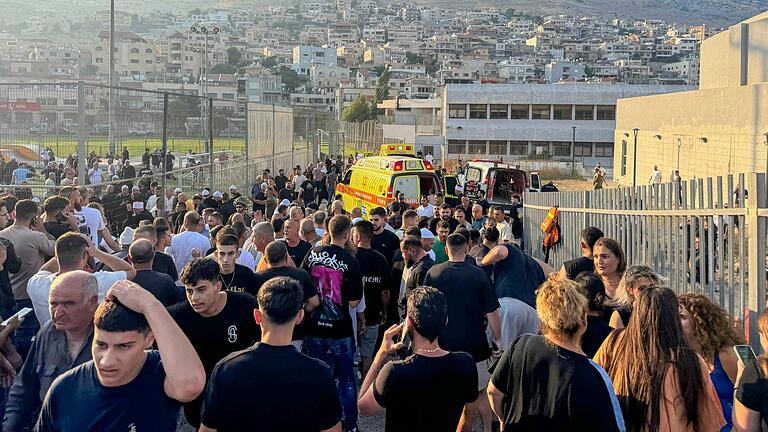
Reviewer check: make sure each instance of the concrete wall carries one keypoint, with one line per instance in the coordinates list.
(719, 129)
(732, 121)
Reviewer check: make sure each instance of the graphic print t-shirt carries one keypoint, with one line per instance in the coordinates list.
(338, 280)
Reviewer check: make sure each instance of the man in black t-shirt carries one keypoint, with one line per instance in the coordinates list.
(376, 290)
(307, 192)
(445, 215)
(217, 322)
(572, 268)
(427, 390)
(384, 241)
(278, 264)
(337, 276)
(471, 300)
(280, 179)
(271, 386)
(234, 277)
(297, 248)
(141, 254)
(163, 262)
(127, 385)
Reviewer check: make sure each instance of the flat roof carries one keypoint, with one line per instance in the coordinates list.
(553, 93)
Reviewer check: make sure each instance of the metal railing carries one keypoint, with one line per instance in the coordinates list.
(704, 235)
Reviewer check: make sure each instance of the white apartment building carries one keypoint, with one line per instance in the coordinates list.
(341, 34)
(419, 87)
(511, 121)
(317, 101)
(347, 93)
(327, 77)
(563, 71)
(305, 56)
(687, 69)
(515, 71)
(134, 55)
(375, 35)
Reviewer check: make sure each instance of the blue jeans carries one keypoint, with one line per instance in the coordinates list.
(338, 354)
(22, 337)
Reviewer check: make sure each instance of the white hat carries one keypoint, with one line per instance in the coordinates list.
(124, 187)
(36, 199)
(285, 202)
(205, 193)
(126, 237)
(233, 187)
(178, 190)
(217, 194)
(426, 234)
(135, 188)
(138, 205)
(356, 220)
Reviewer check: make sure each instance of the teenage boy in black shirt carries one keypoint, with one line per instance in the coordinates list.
(280, 180)
(337, 276)
(271, 386)
(384, 241)
(127, 386)
(234, 277)
(428, 389)
(217, 322)
(278, 264)
(376, 284)
(471, 299)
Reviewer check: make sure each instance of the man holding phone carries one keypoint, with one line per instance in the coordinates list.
(428, 389)
(32, 244)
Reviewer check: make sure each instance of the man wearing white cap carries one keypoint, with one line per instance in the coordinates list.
(427, 241)
(139, 214)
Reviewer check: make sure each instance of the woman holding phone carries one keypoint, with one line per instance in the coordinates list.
(750, 407)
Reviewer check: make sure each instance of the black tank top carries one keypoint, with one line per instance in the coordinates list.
(577, 266)
(517, 276)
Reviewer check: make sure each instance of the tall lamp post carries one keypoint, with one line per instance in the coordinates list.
(635, 131)
(573, 151)
(111, 125)
(204, 78)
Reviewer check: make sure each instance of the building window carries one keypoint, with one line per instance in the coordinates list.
(476, 147)
(582, 149)
(71, 102)
(518, 148)
(457, 146)
(457, 111)
(562, 112)
(562, 149)
(519, 112)
(623, 158)
(540, 147)
(135, 61)
(540, 112)
(148, 50)
(478, 111)
(134, 50)
(606, 112)
(604, 149)
(499, 111)
(497, 147)
(99, 60)
(585, 112)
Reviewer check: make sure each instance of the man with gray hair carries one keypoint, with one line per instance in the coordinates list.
(308, 232)
(261, 235)
(63, 343)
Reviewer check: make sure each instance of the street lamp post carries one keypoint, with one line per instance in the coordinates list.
(111, 125)
(204, 79)
(635, 131)
(573, 151)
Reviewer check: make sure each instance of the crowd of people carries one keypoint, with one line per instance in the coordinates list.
(283, 310)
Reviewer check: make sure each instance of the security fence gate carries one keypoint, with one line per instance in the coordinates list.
(704, 235)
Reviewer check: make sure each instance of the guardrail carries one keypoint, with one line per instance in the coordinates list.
(704, 235)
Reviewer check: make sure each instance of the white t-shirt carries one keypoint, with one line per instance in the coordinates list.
(95, 175)
(40, 286)
(152, 203)
(428, 211)
(90, 221)
(182, 245)
(298, 181)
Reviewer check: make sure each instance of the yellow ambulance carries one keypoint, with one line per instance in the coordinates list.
(375, 181)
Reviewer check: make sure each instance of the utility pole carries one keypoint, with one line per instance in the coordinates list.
(111, 76)
(634, 158)
(573, 151)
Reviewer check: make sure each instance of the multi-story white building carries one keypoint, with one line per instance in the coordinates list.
(327, 77)
(305, 56)
(122, 19)
(341, 34)
(375, 35)
(687, 69)
(563, 71)
(318, 101)
(135, 56)
(347, 93)
(515, 71)
(511, 121)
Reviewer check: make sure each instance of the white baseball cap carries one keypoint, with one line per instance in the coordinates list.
(205, 193)
(426, 234)
(217, 194)
(233, 188)
(178, 190)
(356, 220)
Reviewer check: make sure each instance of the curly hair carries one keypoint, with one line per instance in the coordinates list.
(711, 325)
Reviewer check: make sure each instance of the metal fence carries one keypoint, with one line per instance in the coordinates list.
(705, 235)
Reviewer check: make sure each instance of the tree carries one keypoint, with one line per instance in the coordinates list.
(179, 108)
(359, 111)
(233, 56)
(413, 58)
(289, 78)
(382, 91)
(269, 62)
(223, 68)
